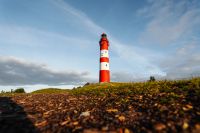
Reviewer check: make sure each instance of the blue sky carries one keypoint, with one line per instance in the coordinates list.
(55, 42)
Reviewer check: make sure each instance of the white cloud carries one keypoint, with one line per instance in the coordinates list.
(15, 71)
(184, 62)
(172, 26)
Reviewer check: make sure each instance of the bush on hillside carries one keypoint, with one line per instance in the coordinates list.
(19, 90)
(152, 78)
(87, 84)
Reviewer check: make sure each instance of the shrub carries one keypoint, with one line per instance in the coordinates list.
(152, 78)
(87, 84)
(19, 90)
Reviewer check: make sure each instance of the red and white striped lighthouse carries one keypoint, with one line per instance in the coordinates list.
(104, 72)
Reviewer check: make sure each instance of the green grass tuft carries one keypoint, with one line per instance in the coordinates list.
(51, 90)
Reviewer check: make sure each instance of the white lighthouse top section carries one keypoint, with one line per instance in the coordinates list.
(104, 53)
(104, 66)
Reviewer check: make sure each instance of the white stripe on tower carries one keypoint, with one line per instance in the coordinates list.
(104, 60)
(104, 53)
(104, 66)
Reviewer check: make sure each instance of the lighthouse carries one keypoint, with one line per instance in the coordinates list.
(104, 72)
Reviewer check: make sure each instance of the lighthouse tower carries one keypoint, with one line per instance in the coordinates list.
(104, 72)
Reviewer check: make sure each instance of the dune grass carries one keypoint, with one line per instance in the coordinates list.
(175, 86)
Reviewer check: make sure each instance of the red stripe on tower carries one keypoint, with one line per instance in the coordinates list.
(104, 72)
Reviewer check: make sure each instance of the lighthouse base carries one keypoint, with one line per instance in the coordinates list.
(104, 76)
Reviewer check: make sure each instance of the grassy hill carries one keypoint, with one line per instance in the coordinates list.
(155, 87)
(50, 90)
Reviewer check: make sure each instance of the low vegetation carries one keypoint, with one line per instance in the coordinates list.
(12, 92)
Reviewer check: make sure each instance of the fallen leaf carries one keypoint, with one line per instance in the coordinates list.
(21, 101)
(120, 130)
(140, 97)
(185, 109)
(85, 114)
(77, 128)
(159, 126)
(47, 112)
(41, 124)
(105, 128)
(112, 110)
(126, 130)
(198, 113)
(197, 126)
(75, 123)
(189, 106)
(64, 122)
(116, 115)
(121, 118)
(185, 125)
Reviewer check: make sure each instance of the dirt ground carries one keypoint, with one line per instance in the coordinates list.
(65, 113)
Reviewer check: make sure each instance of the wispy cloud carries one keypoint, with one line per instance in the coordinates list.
(135, 57)
(122, 76)
(33, 37)
(80, 17)
(128, 53)
(169, 21)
